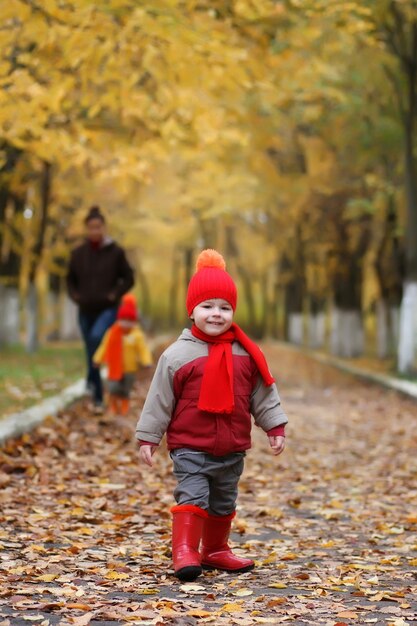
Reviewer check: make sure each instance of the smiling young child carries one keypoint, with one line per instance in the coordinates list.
(206, 387)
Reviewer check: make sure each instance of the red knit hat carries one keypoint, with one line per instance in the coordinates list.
(210, 281)
(127, 310)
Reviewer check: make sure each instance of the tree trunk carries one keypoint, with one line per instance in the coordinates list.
(294, 318)
(249, 298)
(32, 327)
(32, 319)
(389, 269)
(51, 318)
(382, 329)
(276, 304)
(188, 254)
(9, 315)
(387, 326)
(408, 329)
(188, 265)
(10, 259)
(245, 278)
(53, 310)
(407, 344)
(275, 310)
(144, 292)
(400, 33)
(347, 335)
(69, 328)
(316, 323)
(264, 324)
(11, 157)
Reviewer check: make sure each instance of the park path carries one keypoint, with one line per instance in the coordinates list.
(84, 532)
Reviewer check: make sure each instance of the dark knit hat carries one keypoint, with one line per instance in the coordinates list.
(210, 281)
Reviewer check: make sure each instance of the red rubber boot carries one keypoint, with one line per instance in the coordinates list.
(216, 553)
(187, 526)
(124, 406)
(114, 404)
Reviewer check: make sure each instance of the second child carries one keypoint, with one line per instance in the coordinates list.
(124, 350)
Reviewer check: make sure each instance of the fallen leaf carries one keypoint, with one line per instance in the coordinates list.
(276, 602)
(192, 588)
(199, 613)
(83, 620)
(116, 575)
(373, 580)
(243, 592)
(231, 608)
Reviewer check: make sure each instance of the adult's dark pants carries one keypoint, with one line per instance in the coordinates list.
(93, 328)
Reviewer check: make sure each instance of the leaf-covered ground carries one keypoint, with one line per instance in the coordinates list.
(85, 531)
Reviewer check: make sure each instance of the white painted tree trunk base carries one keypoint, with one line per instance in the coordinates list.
(387, 319)
(316, 330)
(52, 316)
(382, 329)
(32, 317)
(69, 328)
(295, 328)
(395, 326)
(407, 342)
(347, 334)
(9, 316)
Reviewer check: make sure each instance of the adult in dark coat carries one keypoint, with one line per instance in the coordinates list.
(98, 276)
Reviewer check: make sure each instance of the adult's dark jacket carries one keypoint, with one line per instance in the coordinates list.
(98, 277)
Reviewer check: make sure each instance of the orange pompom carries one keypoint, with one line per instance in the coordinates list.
(210, 258)
(129, 297)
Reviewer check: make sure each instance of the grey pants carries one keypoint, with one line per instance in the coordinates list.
(207, 481)
(122, 387)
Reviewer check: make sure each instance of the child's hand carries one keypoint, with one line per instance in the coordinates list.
(277, 444)
(145, 454)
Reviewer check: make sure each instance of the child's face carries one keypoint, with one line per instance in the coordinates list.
(126, 325)
(213, 317)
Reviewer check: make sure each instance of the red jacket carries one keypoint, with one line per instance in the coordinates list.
(171, 404)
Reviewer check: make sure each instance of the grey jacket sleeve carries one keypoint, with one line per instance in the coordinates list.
(159, 404)
(265, 406)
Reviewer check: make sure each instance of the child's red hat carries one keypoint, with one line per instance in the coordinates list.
(210, 281)
(127, 309)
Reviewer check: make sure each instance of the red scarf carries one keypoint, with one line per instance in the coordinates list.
(114, 352)
(216, 393)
